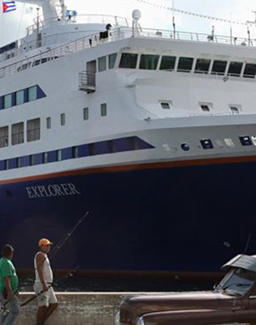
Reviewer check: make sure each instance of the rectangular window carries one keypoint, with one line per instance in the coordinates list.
(166, 104)
(206, 144)
(45, 157)
(103, 108)
(32, 160)
(185, 64)
(205, 108)
(128, 61)
(202, 66)
(235, 69)
(86, 113)
(219, 67)
(62, 119)
(112, 60)
(102, 64)
(4, 137)
(245, 141)
(48, 123)
(168, 63)
(32, 93)
(250, 70)
(8, 101)
(20, 97)
(149, 62)
(234, 110)
(59, 155)
(33, 130)
(75, 152)
(17, 133)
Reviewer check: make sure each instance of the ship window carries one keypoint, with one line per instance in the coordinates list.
(234, 110)
(59, 155)
(20, 97)
(206, 144)
(229, 142)
(17, 133)
(7, 164)
(102, 64)
(202, 66)
(235, 69)
(4, 137)
(75, 152)
(86, 113)
(205, 107)
(45, 157)
(48, 123)
(103, 108)
(62, 119)
(128, 61)
(2, 102)
(33, 130)
(245, 141)
(168, 63)
(18, 162)
(8, 101)
(250, 70)
(32, 160)
(32, 93)
(165, 105)
(185, 64)
(112, 60)
(149, 62)
(219, 67)
(220, 143)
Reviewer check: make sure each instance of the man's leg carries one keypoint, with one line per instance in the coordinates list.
(41, 315)
(50, 310)
(14, 309)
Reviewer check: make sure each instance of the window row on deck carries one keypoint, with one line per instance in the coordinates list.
(18, 133)
(187, 64)
(86, 150)
(21, 96)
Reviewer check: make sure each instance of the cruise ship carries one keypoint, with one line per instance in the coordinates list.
(152, 131)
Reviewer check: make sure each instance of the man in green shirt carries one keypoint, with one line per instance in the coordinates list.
(8, 287)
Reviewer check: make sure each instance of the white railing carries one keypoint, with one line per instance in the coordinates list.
(115, 21)
(116, 34)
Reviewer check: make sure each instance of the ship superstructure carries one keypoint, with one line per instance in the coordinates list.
(152, 131)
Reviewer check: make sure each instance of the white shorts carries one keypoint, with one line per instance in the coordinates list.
(45, 298)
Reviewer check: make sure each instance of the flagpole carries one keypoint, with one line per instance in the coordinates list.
(2, 33)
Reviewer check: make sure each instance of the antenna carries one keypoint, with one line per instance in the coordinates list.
(136, 15)
(173, 20)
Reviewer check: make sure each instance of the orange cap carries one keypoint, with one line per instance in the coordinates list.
(44, 242)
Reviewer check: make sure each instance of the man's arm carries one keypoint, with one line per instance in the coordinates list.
(7, 283)
(40, 259)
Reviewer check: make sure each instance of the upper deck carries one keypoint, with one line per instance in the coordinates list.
(19, 57)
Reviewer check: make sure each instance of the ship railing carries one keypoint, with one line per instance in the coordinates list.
(94, 40)
(115, 21)
(87, 81)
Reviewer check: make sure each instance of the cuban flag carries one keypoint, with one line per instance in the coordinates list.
(9, 6)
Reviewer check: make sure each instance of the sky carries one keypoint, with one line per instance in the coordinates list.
(13, 24)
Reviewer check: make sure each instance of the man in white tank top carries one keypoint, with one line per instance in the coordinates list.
(47, 301)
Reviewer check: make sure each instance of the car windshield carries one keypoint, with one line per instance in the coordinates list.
(238, 281)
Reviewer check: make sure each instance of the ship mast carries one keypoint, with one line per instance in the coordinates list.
(48, 7)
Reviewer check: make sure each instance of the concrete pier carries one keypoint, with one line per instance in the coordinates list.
(77, 308)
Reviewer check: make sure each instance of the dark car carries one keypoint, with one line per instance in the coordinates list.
(233, 300)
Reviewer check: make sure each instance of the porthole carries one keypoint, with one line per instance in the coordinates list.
(185, 147)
